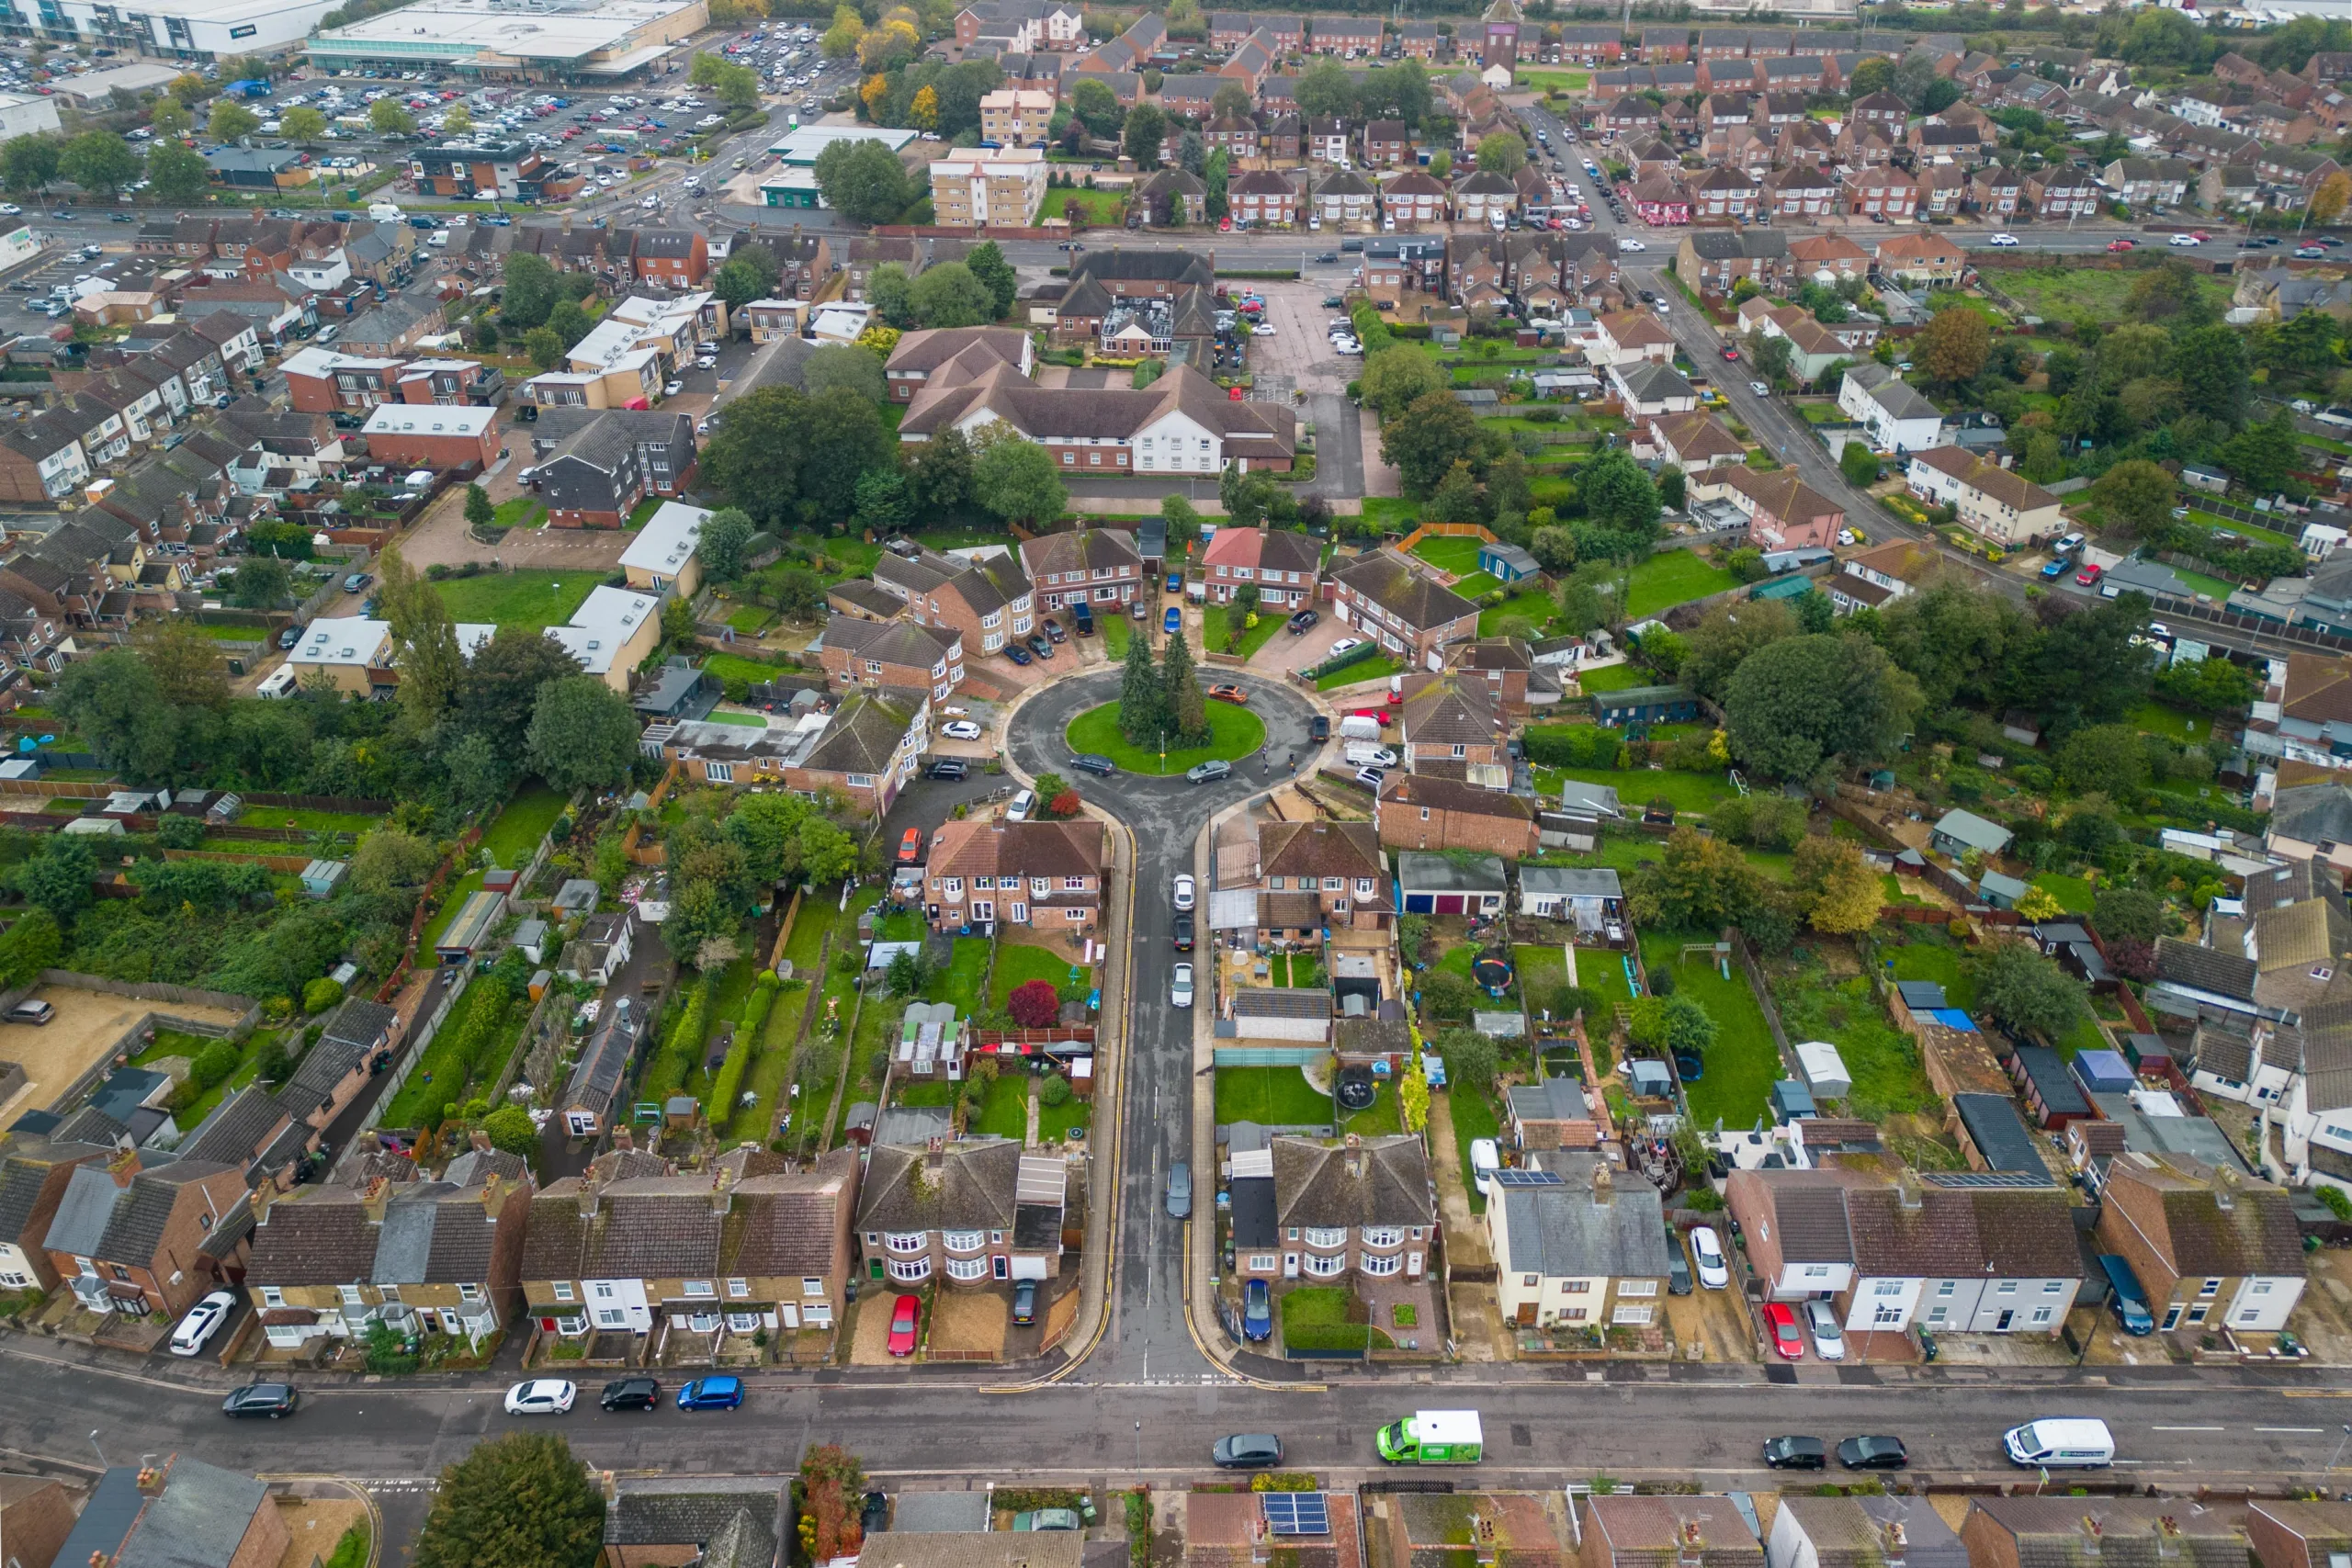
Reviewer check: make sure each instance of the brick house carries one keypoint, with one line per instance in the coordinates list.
(1285, 566)
(857, 652)
(1410, 616)
(1884, 192)
(1725, 196)
(1452, 726)
(1428, 811)
(983, 601)
(2010, 1532)
(2296, 1534)
(1413, 198)
(920, 357)
(957, 1211)
(1801, 191)
(1361, 1210)
(176, 1510)
(1995, 192)
(1575, 1246)
(1714, 260)
(2062, 193)
(1991, 500)
(1783, 511)
(1318, 877)
(2212, 1247)
(868, 749)
(1260, 197)
(432, 436)
(32, 1182)
(673, 258)
(1084, 565)
(1387, 144)
(130, 1240)
(1047, 876)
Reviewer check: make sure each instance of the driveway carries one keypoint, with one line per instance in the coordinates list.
(1284, 653)
(1300, 350)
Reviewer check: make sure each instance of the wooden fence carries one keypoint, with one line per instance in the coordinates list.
(1478, 531)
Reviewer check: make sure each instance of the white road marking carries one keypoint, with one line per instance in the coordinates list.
(2301, 1430)
(2188, 1428)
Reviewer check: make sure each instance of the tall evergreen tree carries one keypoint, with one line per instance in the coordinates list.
(1139, 705)
(1186, 707)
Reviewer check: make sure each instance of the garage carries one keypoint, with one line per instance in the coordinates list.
(1445, 884)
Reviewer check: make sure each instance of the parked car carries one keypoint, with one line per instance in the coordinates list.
(950, 767)
(1257, 1310)
(1372, 778)
(711, 1394)
(1021, 807)
(275, 1400)
(1017, 653)
(355, 581)
(2090, 574)
(1829, 1337)
(1760, 388)
(1180, 986)
(1052, 630)
(35, 1011)
(1714, 1272)
(202, 1322)
(540, 1396)
(2004, 241)
(1873, 1453)
(1319, 727)
(1093, 763)
(1677, 1265)
(1304, 622)
(1175, 583)
(1249, 1450)
(1039, 646)
(911, 846)
(1732, 354)
(1183, 937)
(632, 1393)
(1485, 1158)
(1185, 891)
(1795, 1453)
(2123, 245)
(906, 1316)
(2053, 571)
(1025, 1303)
(1208, 772)
(1045, 1518)
(1788, 1340)
(1225, 691)
(1173, 622)
(1180, 1178)
(1343, 645)
(960, 729)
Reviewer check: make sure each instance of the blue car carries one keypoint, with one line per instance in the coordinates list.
(2055, 570)
(1257, 1311)
(1175, 583)
(1173, 621)
(711, 1394)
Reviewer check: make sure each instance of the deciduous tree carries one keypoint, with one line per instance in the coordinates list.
(1840, 892)
(1804, 700)
(1015, 478)
(1953, 345)
(582, 735)
(2021, 988)
(1435, 433)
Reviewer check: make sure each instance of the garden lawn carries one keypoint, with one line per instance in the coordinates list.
(2072, 892)
(2247, 530)
(1017, 963)
(172, 1042)
(1743, 1064)
(1218, 620)
(1613, 678)
(1476, 586)
(1056, 1122)
(1530, 606)
(1234, 731)
(2081, 295)
(1116, 630)
(1882, 1060)
(532, 600)
(750, 621)
(1636, 787)
(734, 667)
(1005, 1112)
(1314, 1317)
(1474, 1118)
(2213, 588)
(310, 821)
(960, 982)
(1672, 578)
(515, 838)
(1393, 512)
(1273, 1097)
(1097, 208)
(453, 899)
(1933, 961)
(1379, 667)
(521, 512)
(2172, 723)
(1457, 553)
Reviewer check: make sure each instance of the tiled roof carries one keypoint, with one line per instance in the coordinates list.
(973, 1189)
(1420, 602)
(1385, 1181)
(1290, 849)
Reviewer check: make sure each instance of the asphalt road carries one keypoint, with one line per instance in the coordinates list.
(1147, 1341)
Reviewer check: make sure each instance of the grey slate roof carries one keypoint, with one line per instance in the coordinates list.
(1314, 1183)
(1563, 1230)
(2205, 968)
(686, 1510)
(974, 1189)
(1419, 873)
(1571, 881)
(79, 1222)
(198, 1522)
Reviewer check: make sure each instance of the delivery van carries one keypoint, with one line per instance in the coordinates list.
(1368, 754)
(383, 212)
(2061, 1442)
(2124, 1294)
(1432, 1437)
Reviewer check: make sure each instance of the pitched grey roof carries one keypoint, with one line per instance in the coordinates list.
(1565, 1230)
(2206, 968)
(688, 1510)
(974, 1188)
(2313, 813)
(198, 1522)
(1385, 1181)
(79, 1222)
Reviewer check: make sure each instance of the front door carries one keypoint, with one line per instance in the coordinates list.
(1290, 1265)
(1527, 1315)
(2001, 1323)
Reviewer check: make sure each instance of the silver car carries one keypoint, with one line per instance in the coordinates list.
(1180, 986)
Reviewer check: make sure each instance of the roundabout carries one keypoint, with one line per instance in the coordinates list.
(1234, 733)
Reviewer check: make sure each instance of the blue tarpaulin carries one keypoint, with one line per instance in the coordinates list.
(1952, 1017)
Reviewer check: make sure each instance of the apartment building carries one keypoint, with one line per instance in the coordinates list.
(1016, 117)
(984, 188)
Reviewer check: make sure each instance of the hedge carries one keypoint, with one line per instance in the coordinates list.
(1356, 655)
(1268, 275)
(724, 1088)
(677, 1058)
(1573, 745)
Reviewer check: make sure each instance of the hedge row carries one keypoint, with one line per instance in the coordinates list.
(1573, 745)
(729, 1082)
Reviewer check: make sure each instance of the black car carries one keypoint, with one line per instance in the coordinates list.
(1327, 257)
(1093, 763)
(1053, 630)
(1248, 1451)
(1795, 1453)
(1025, 1301)
(1304, 622)
(1873, 1453)
(289, 637)
(951, 768)
(632, 1393)
(1677, 1265)
(1039, 646)
(271, 1399)
(1184, 933)
(1017, 653)
(1319, 727)
(874, 1518)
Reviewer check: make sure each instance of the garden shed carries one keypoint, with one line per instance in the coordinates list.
(1505, 563)
(1825, 1070)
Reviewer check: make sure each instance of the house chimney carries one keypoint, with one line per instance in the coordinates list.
(480, 1140)
(2167, 1539)
(623, 1138)
(2093, 1533)
(588, 1199)
(152, 1478)
(1355, 1158)
(1694, 1546)
(2225, 1195)
(1907, 1190)
(123, 1167)
(1604, 1185)
(935, 1154)
(1897, 1543)
(722, 1197)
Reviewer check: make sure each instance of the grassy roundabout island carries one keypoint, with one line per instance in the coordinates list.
(1234, 732)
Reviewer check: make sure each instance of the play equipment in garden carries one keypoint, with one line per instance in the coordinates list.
(1492, 971)
(1353, 1089)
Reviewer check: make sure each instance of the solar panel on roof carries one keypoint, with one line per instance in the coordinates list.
(1296, 1513)
(1525, 1178)
(2008, 1179)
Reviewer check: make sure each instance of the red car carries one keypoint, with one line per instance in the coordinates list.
(1228, 694)
(2121, 246)
(1732, 354)
(906, 1311)
(2088, 577)
(1788, 1340)
(910, 847)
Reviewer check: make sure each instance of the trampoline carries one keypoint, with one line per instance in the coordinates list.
(1687, 1067)
(1354, 1090)
(1492, 971)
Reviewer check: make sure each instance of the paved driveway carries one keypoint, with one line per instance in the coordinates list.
(1284, 653)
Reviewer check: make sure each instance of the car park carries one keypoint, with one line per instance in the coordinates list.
(906, 1318)
(712, 1393)
(202, 1322)
(1248, 1451)
(632, 1393)
(540, 1396)
(1179, 1175)
(1794, 1452)
(275, 1400)
(1873, 1453)
(1788, 1340)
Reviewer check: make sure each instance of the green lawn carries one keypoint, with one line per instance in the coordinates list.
(643, 512)
(2082, 295)
(1477, 585)
(735, 667)
(302, 817)
(521, 512)
(1097, 208)
(2174, 724)
(1234, 731)
(515, 838)
(1395, 513)
(172, 1042)
(1614, 678)
(1556, 81)
(1696, 793)
(2072, 892)
(1314, 1317)
(2244, 530)
(1531, 605)
(1274, 1096)
(1218, 620)
(1017, 963)
(1457, 553)
(1005, 1112)
(1744, 1063)
(1379, 667)
(532, 600)
(1116, 630)
(1056, 1122)
(1934, 960)
(1672, 578)
(1294, 970)
(750, 621)
(2212, 588)
(960, 982)
(1474, 1117)
(1882, 1060)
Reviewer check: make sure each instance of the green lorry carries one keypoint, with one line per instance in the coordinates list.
(1433, 1437)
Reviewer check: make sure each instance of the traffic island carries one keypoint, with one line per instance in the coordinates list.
(1234, 732)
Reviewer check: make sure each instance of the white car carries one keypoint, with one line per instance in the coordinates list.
(2003, 240)
(673, 388)
(1714, 1272)
(651, 202)
(11, 208)
(1759, 388)
(1185, 894)
(1180, 986)
(2183, 239)
(540, 1396)
(1829, 1338)
(1343, 645)
(1023, 805)
(1631, 245)
(961, 730)
(202, 1322)
(1264, 329)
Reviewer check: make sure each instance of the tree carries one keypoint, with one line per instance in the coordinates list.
(1676, 1024)
(2209, 362)
(582, 735)
(1872, 75)
(180, 172)
(724, 536)
(543, 348)
(1015, 478)
(1471, 1058)
(2103, 759)
(1697, 884)
(479, 512)
(784, 454)
(29, 162)
(939, 476)
(2261, 456)
(887, 293)
(1183, 702)
(2136, 491)
(830, 1477)
(262, 582)
(232, 122)
(1618, 493)
(863, 181)
(2127, 914)
(1397, 376)
(1841, 892)
(169, 119)
(1145, 136)
(2329, 200)
(2024, 990)
(502, 681)
(531, 291)
(1770, 356)
(1183, 522)
(301, 123)
(568, 321)
(1502, 153)
(509, 1130)
(1097, 107)
(1142, 710)
(1805, 700)
(949, 295)
(847, 366)
(423, 637)
(57, 879)
(1436, 432)
(1455, 499)
(1954, 344)
(519, 1501)
(986, 263)
(1859, 464)
(1034, 1004)
(738, 282)
(99, 162)
(1725, 638)
(390, 117)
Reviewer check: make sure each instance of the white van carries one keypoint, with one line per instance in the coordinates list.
(1366, 754)
(383, 212)
(2061, 1442)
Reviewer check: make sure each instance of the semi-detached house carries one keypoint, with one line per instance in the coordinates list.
(1361, 1209)
(1047, 876)
(1083, 566)
(856, 652)
(1991, 500)
(1573, 1246)
(984, 601)
(1284, 565)
(2211, 1247)
(1409, 614)
(970, 1212)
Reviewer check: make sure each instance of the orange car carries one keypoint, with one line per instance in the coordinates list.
(1230, 693)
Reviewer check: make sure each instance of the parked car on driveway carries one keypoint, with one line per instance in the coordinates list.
(905, 1316)
(1787, 1340)
(202, 1322)
(1714, 1272)
(1173, 622)
(960, 729)
(1025, 1301)
(1257, 1310)
(1304, 622)
(1829, 1337)
(1039, 646)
